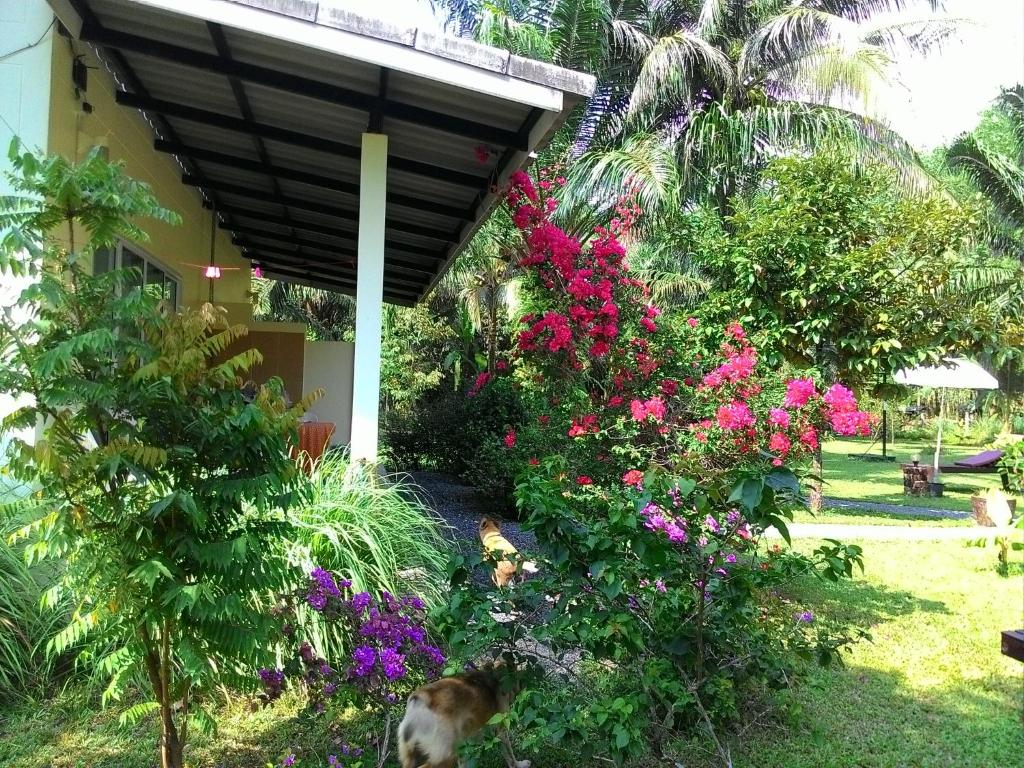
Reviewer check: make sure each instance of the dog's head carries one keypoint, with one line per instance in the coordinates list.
(489, 526)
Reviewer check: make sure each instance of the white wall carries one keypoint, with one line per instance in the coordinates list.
(329, 364)
(25, 111)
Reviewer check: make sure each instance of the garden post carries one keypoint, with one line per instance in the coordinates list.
(369, 297)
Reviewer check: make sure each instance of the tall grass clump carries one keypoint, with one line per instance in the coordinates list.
(371, 530)
(25, 625)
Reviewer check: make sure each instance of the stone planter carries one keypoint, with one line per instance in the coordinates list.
(979, 510)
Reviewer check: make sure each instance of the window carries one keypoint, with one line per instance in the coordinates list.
(153, 277)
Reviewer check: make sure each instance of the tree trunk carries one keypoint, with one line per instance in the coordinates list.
(492, 335)
(815, 494)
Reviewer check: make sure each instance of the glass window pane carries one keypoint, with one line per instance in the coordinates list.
(155, 279)
(104, 260)
(130, 259)
(172, 292)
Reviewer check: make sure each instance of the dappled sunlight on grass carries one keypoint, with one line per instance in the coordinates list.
(882, 482)
(930, 689)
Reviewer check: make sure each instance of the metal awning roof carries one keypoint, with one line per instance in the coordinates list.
(264, 102)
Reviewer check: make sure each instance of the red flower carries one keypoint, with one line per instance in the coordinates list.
(634, 478)
(510, 439)
(534, 461)
(584, 480)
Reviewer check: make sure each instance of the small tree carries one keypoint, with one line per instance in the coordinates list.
(160, 484)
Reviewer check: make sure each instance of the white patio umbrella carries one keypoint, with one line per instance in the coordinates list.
(956, 373)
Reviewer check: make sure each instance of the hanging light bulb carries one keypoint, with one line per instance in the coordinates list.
(257, 270)
(212, 272)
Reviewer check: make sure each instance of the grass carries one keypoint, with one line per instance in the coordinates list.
(882, 482)
(931, 689)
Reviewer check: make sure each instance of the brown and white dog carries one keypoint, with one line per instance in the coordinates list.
(441, 715)
(496, 545)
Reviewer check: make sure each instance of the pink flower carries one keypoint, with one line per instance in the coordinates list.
(735, 330)
(839, 399)
(635, 478)
(510, 439)
(809, 438)
(534, 461)
(736, 415)
(798, 392)
(656, 408)
(692, 322)
(648, 324)
(779, 443)
(778, 417)
(638, 410)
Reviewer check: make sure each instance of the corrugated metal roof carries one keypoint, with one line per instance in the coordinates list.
(265, 102)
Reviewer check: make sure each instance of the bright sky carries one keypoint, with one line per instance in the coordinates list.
(934, 99)
(941, 95)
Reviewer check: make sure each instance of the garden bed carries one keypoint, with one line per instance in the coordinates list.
(923, 693)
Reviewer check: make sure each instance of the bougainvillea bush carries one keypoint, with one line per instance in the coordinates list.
(387, 653)
(675, 456)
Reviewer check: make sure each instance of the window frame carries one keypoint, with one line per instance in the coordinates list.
(147, 259)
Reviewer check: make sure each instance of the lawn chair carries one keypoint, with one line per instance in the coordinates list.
(986, 462)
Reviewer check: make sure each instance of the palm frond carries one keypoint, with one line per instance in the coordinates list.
(644, 164)
(676, 70)
(995, 175)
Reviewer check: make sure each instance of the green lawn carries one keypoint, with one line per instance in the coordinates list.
(932, 688)
(871, 481)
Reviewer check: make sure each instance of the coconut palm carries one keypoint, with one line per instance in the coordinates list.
(485, 282)
(997, 171)
(724, 84)
(329, 315)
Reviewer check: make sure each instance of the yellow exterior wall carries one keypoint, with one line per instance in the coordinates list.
(129, 138)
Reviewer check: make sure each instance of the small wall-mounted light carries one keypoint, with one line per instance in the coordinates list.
(257, 270)
(212, 272)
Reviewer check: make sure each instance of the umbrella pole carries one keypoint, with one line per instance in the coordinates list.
(938, 437)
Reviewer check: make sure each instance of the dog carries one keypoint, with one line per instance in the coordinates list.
(441, 715)
(496, 545)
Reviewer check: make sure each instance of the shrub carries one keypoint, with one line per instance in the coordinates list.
(675, 450)
(388, 652)
(161, 485)
(374, 531)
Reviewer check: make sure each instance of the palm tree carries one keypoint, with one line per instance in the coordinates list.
(485, 281)
(997, 171)
(723, 85)
(329, 316)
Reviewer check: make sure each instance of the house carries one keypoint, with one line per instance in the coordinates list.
(295, 137)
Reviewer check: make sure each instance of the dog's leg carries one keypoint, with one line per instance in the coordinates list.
(506, 748)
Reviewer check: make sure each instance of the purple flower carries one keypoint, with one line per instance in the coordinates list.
(433, 654)
(806, 617)
(325, 670)
(731, 557)
(325, 582)
(364, 658)
(288, 761)
(333, 761)
(306, 652)
(660, 585)
(329, 689)
(317, 600)
(360, 601)
(712, 524)
(392, 662)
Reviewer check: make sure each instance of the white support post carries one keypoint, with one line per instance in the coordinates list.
(369, 297)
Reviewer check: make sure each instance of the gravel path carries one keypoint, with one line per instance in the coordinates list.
(882, 532)
(462, 506)
(896, 509)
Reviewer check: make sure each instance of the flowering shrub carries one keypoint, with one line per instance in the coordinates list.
(673, 459)
(389, 650)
